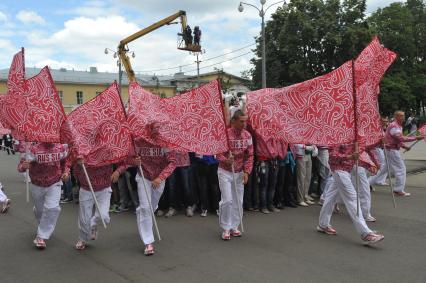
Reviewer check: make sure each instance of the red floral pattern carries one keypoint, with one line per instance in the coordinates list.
(318, 111)
(370, 66)
(98, 131)
(189, 122)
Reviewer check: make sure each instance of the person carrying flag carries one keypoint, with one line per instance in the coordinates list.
(48, 167)
(101, 178)
(157, 164)
(239, 160)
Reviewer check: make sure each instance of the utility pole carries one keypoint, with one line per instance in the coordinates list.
(198, 64)
(198, 70)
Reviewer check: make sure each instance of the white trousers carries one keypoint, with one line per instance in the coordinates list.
(229, 212)
(343, 187)
(3, 196)
(364, 190)
(46, 208)
(87, 220)
(304, 175)
(380, 177)
(328, 183)
(324, 166)
(143, 212)
(398, 167)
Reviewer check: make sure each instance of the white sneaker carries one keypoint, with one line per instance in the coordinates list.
(170, 213)
(226, 235)
(370, 219)
(372, 238)
(5, 206)
(310, 202)
(189, 211)
(203, 213)
(39, 243)
(302, 203)
(308, 197)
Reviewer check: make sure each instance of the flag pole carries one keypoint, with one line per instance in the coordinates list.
(389, 174)
(154, 220)
(27, 172)
(234, 180)
(93, 194)
(411, 146)
(356, 139)
(149, 200)
(387, 166)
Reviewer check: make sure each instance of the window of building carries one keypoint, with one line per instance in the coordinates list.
(61, 95)
(79, 97)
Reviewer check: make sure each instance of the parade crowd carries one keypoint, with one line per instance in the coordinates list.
(255, 176)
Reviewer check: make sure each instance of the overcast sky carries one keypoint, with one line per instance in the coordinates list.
(74, 33)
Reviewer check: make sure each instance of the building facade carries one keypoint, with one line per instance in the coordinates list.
(77, 87)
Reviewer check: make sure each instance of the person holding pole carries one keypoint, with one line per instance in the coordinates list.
(48, 167)
(342, 160)
(380, 177)
(157, 164)
(394, 140)
(233, 172)
(101, 178)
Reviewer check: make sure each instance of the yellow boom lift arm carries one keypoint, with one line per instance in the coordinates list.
(122, 47)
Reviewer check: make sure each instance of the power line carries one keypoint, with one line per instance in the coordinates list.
(230, 59)
(229, 52)
(208, 59)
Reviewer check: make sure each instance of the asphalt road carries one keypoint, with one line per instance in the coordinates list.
(282, 247)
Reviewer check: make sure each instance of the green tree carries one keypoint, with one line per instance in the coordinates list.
(401, 27)
(306, 39)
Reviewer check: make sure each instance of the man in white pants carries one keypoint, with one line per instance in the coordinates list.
(241, 157)
(48, 166)
(342, 160)
(4, 201)
(368, 161)
(394, 140)
(157, 164)
(101, 178)
(380, 177)
(382, 173)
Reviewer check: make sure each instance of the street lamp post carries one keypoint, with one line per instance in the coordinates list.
(262, 12)
(120, 72)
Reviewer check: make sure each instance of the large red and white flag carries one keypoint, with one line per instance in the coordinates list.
(318, 111)
(9, 109)
(12, 105)
(16, 78)
(44, 114)
(192, 121)
(98, 130)
(370, 67)
(31, 108)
